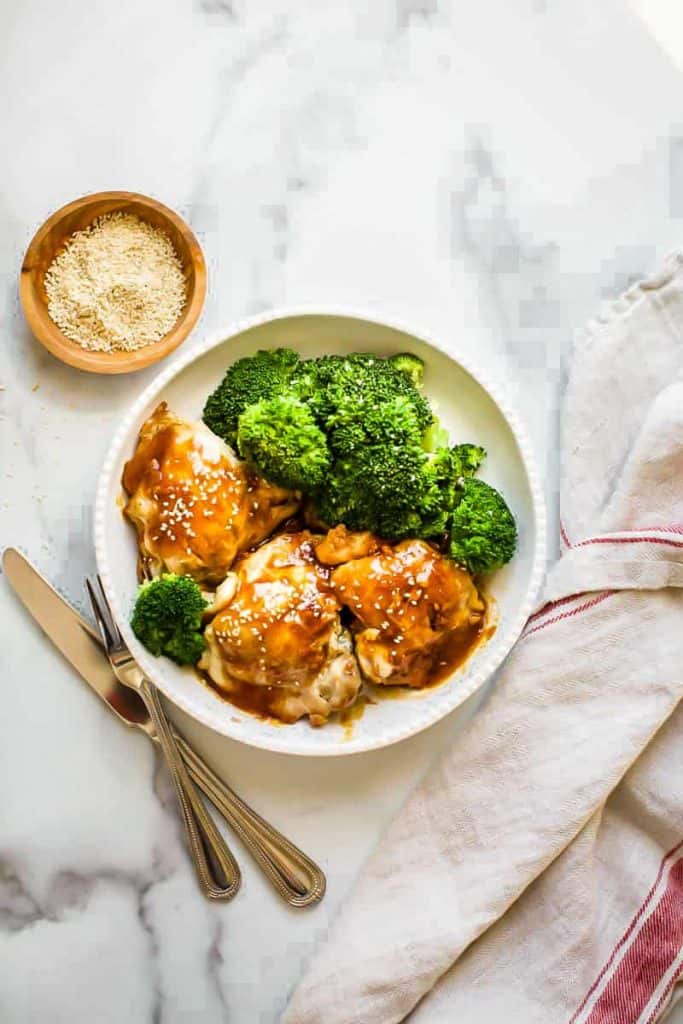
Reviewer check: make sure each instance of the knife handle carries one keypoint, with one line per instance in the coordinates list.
(293, 874)
(217, 871)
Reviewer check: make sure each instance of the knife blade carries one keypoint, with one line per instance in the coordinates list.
(74, 638)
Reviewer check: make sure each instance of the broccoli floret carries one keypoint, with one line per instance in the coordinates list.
(411, 365)
(382, 479)
(355, 424)
(247, 381)
(167, 618)
(346, 499)
(442, 477)
(280, 437)
(467, 458)
(365, 381)
(483, 531)
(439, 484)
(338, 502)
(375, 480)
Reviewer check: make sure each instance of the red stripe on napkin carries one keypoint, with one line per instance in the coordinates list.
(570, 613)
(551, 605)
(650, 951)
(631, 540)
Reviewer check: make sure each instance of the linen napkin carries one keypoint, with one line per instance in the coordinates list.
(536, 874)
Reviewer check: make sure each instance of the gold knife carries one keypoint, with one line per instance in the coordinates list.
(294, 875)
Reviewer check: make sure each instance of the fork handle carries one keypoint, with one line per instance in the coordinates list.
(217, 870)
(293, 874)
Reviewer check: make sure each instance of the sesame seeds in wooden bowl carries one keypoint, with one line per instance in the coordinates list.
(122, 341)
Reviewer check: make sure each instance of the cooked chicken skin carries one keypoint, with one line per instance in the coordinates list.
(194, 504)
(409, 600)
(281, 630)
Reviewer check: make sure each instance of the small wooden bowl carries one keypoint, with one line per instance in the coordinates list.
(52, 237)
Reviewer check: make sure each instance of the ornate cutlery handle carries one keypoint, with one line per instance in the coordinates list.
(217, 870)
(295, 876)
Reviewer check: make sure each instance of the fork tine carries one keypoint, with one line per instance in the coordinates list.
(112, 621)
(99, 617)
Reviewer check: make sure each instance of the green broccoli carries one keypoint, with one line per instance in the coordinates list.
(438, 490)
(280, 437)
(467, 458)
(431, 492)
(167, 618)
(382, 479)
(483, 531)
(409, 364)
(357, 423)
(337, 502)
(247, 381)
(347, 499)
(329, 383)
(375, 481)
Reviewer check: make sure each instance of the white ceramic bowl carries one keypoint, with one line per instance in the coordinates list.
(471, 406)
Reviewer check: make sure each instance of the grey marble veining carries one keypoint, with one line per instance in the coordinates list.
(490, 172)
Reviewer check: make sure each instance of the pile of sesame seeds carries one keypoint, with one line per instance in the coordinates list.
(118, 285)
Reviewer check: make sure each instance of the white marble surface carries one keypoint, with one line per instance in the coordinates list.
(490, 171)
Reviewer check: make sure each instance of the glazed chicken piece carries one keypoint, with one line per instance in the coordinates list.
(278, 633)
(342, 545)
(194, 504)
(410, 602)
